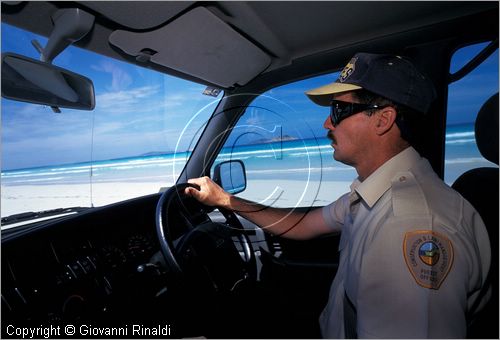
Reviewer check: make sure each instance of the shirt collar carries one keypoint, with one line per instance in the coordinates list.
(373, 187)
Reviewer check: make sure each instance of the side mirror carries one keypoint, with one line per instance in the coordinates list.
(33, 81)
(231, 176)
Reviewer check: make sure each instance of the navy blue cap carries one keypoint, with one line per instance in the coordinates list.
(389, 76)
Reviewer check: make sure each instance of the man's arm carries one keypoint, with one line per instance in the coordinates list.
(288, 223)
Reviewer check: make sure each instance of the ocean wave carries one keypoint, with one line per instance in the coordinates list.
(299, 170)
(141, 166)
(38, 174)
(461, 141)
(460, 134)
(137, 163)
(466, 160)
(290, 150)
(164, 179)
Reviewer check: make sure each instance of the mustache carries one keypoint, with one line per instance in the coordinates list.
(330, 136)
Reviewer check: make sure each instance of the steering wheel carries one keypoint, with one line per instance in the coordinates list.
(191, 242)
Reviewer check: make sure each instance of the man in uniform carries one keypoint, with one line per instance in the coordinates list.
(414, 254)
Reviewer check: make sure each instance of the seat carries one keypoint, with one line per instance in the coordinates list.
(480, 187)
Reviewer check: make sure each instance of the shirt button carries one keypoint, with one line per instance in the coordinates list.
(402, 178)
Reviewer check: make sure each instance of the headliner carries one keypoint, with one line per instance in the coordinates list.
(276, 37)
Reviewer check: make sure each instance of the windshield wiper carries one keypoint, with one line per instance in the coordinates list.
(30, 215)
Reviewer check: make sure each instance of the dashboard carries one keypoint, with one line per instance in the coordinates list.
(103, 268)
(99, 266)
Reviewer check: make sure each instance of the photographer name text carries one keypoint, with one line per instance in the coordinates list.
(47, 332)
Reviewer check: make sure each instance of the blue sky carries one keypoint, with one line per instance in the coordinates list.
(467, 95)
(139, 111)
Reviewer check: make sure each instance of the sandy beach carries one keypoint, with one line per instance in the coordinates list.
(282, 193)
(22, 198)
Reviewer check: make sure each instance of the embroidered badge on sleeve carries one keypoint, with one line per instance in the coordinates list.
(429, 257)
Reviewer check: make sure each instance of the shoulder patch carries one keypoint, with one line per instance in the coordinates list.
(429, 257)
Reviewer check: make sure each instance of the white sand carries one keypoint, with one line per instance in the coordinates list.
(290, 193)
(22, 198)
(278, 193)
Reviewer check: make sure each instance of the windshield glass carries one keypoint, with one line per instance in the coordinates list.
(135, 142)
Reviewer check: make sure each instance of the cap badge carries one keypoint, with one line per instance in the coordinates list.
(429, 257)
(348, 70)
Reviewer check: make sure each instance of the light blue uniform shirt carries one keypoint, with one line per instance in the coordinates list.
(414, 258)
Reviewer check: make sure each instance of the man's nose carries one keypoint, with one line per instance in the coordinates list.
(328, 124)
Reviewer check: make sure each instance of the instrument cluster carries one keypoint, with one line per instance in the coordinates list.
(70, 278)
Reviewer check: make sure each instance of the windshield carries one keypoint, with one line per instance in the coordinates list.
(135, 142)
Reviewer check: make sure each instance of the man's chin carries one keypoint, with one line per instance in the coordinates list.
(337, 155)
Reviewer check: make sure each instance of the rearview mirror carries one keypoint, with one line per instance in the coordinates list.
(230, 175)
(33, 81)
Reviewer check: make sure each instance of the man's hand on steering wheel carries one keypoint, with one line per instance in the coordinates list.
(210, 193)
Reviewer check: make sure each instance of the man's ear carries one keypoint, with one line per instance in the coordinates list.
(385, 120)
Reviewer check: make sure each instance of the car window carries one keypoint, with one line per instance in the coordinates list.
(135, 141)
(465, 98)
(288, 159)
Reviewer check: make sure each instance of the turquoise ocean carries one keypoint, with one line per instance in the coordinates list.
(292, 159)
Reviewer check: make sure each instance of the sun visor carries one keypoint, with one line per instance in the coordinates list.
(199, 44)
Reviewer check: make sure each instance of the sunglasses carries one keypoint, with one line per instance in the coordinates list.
(341, 110)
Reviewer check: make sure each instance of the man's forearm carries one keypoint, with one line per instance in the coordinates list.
(284, 222)
(278, 221)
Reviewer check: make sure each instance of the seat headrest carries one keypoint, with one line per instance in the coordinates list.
(486, 129)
